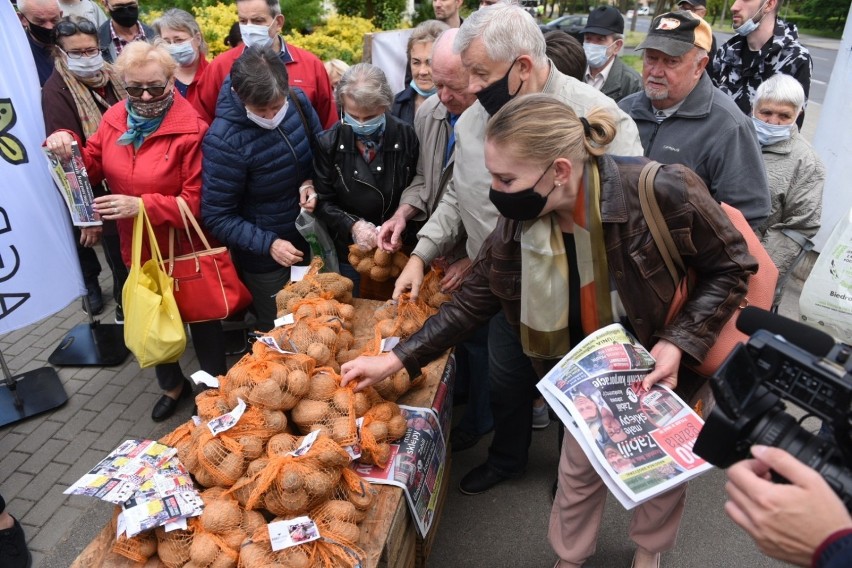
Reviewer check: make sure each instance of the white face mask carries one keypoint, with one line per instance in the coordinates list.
(596, 55)
(86, 66)
(183, 53)
(269, 123)
(254, 34)
(750, 25)
(769, 134)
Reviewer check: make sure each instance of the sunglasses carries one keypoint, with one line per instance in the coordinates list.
(153, 91)
(69, 28)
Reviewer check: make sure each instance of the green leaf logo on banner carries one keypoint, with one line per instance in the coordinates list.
(11, 148)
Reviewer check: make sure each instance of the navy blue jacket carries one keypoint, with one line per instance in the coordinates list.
(251, 178)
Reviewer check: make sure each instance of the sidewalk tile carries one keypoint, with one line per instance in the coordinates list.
(9, 441)
(44, 483)
(70, 409)
(13, 461)
(95, 379)
(41, 458)
(106, 417)
(39, 436)
(118, 431)
(88, 459)
(55, 528)
(79, 422)
(15, 348)
(76, 446)
(50, 340)
(131, 391)
(102, 398)
(14, 482)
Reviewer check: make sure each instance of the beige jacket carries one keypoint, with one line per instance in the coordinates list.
(465, 209)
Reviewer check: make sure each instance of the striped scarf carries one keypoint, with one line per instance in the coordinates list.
(85, 98)
(544, 275)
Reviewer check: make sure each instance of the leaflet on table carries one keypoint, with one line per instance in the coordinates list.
(639, 442)
(416, 465)
(71, 178)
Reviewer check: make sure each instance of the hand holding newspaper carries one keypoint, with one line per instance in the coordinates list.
(640, 442)
(71, 178)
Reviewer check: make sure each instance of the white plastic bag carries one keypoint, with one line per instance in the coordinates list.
(826, 299)
(319, 240)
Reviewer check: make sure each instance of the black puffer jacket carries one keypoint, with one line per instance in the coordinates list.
(350, 189)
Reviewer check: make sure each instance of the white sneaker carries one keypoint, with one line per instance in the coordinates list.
(541, 418)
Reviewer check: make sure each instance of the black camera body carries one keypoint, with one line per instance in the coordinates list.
(750, 390)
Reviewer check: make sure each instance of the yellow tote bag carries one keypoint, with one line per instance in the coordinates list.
(153, 330)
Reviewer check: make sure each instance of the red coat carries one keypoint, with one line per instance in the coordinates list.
(166, 165)
(192, 90)
(304, 70)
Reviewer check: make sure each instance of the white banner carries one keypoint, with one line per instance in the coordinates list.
(39, 270)
(389, 53)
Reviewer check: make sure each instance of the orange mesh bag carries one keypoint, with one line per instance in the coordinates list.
(338, 545)
(138, 548)
(377, 264)
(244, 486)
(211, 403)
(291, 485)
(224, 517)
(173, 546)
(392, 387)
(210, 550)
(383, 423)
(313, 285)
(328, 407)
(355, 490)
(430, 290)
(322, 306)
(181, 434)
(221, 459)
(258, 553)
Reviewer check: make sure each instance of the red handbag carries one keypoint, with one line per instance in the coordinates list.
(206, 284)
(761, 284)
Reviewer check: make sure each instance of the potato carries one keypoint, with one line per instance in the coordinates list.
(382, 454)
(343, 429)
(221, 515)
(333, 457)
(343, 400)
(362, 404)
(252, 447)
(364, 266)
(224, 560)
(319, 351)
(396, 428)
(379, 430)
(322, 427)
(252, 520)
(343, 531)
(293, 557)
(386, 327)
(346, 311)
(203, 549)
(294, 502)
(322, 387)
(231, 469)
(401, 382)
(203, 477)
(147, 544)
(267, 395)
(254, 555)
(400, 260)
(281, 444)
(214, 452)
(382, 258)
(310, 412)
(320, 484)
(379, 273)
(275, 420)
(238, 393)
(298, 383)
(409, 327)
(353, 258)
(290, 479)
(384, 411)
(340, 510)
(362, 499)
(305, 311)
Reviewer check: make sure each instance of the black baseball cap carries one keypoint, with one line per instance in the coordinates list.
(693, 2)
(604, 20)
(675, 33)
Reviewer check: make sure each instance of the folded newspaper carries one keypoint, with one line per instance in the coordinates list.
(417, 461)
(71, 178)
(639, 442)
(148, 481)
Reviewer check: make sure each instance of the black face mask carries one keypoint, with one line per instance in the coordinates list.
(41, 34)
(523, 205)
(125, 16)
(495, 95)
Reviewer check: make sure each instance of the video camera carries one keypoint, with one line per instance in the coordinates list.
(773, 367)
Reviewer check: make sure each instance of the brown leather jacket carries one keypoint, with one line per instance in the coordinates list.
(706, 239)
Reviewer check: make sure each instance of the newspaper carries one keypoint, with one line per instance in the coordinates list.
(639, 442)
(147, 480)
(416, 463)
(73, 182)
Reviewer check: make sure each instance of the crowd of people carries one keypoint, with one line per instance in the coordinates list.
(511, 159)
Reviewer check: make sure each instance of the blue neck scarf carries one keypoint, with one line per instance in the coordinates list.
(138, 128)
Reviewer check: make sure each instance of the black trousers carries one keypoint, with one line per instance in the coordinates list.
(209, 343)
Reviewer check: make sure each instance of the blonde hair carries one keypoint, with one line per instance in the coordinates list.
(138, 53)
(518, 125)
(425, 32)
(335, 69)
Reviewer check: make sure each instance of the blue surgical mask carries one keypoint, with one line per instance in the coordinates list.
(86, 67)
(750, 25)
(255, 35)
(364, 128)
(769, 134)
(269, 123)
(596, 55)
(420, 91)
(183, 53)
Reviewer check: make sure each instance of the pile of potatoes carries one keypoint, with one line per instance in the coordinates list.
(379, 265)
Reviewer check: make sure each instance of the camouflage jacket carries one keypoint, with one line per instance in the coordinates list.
(782, 54)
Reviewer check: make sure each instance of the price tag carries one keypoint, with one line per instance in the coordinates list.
(306, 444)
(389, 343)
(285, 320)
(205, 378)
(228, 420)
(298, 273)
(270, 342)
(292, 532)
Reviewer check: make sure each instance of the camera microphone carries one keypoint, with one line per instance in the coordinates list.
(812, 340)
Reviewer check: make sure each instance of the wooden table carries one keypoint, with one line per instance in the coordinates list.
(388, 534)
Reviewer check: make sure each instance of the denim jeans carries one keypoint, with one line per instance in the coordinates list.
(472, 359)
(512, 393)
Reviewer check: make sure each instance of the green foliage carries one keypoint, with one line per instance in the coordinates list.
(389, 14)
(301, 15)
(422, 12)
(824, 13)
(340, 37)
(351, 7)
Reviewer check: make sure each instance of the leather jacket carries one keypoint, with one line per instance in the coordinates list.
(350, 189)
(706, 239)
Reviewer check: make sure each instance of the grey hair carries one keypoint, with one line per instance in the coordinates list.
(23, 4)
(507, 32)
(426, 32)
(273, 5)
(367, 85)
(781, 89)
(259, 77)
(616, 37)
(182, 21)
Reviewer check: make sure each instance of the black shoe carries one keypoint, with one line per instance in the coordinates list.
(462, 440)
(13, 548)
(167, 405)
(95, 297)
(119, 314)
(479, 480)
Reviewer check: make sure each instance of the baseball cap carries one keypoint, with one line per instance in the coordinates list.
(694, 2)
(675, 33)
(604, 20)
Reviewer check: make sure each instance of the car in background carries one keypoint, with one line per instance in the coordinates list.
(643, 11)
(572, 25)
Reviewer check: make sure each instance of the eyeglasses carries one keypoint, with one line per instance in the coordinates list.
(69, 28)
(80, 53)
(155, 91)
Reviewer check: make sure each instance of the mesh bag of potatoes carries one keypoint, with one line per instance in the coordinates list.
(138, 548)
(383, 423)
(430, 290)
(173, 546)
(409, 317)
(268, 379)
(290, 485)
(353, 489)
(336, 547)
(314, 285)
(377, 264)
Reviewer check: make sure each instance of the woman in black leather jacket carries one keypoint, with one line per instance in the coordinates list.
(362, 163)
